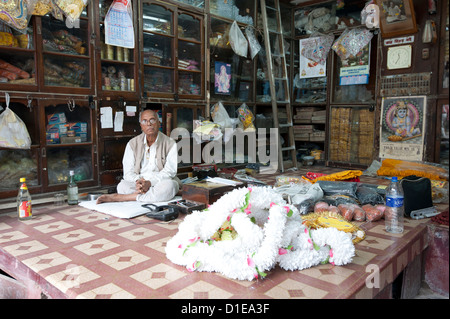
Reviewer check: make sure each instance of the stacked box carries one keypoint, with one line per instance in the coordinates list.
(80, 129)
(56, 118)
(54, 133)
(319, 116)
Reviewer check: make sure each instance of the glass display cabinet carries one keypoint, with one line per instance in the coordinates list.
(70, 141)
(172, 52)
(117, 68)
(18, 58)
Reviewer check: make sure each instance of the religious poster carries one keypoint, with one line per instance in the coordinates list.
(222, 75)
(308, 67)
(402, 127)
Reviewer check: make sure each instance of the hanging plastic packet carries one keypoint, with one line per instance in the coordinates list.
(351, 42)
(246, 117)
(253, 43)
(238, 41)
(17, 13)
(119, 29)
(13, 131)
(317, 49)
(72, 9)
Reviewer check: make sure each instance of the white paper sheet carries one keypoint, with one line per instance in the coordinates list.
(106, 119)
(121, 209)
(118, 122)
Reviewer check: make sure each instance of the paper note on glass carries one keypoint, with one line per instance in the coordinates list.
(106, 120)
(118, 122)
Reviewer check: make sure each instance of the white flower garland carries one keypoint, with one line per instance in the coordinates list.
(269, 231)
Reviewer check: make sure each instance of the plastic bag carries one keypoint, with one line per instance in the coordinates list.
(238, 41)
(220, 116)
(71, 8)
(351, 42)
(253, 43)
(368, 195)
(246, 117)
(317, 49)
(13, 131)
(17, 13)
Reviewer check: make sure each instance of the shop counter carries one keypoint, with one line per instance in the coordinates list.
(74, 252)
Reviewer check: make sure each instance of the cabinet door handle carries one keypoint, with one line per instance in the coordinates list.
(43, 152)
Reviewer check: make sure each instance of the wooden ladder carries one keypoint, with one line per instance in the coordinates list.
(271, 10)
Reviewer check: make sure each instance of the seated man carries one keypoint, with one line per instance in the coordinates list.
(149, 166)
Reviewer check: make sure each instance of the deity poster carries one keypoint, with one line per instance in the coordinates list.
(402, 127)
(222, 76)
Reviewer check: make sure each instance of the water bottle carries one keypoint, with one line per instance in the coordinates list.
(24, 201)
(395, 208)
(72, 190)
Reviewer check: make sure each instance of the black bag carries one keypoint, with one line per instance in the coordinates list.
(417, 191)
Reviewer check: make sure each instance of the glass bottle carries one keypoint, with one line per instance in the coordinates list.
(395, 208)
(24, 201)
(72, 190)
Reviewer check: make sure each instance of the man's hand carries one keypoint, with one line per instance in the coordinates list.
(142, 186)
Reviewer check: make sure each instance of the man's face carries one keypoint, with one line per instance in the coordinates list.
(149, 128)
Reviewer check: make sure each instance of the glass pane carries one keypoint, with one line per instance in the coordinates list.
(352, 78)
(444, 128)
(188, 27)
(189, 83)
(111, 52)
(15, 164)
(104, 7)
(239, 10)
(117, 77)
(194, 3)
(113, 153)
(56, 37)
(158, 80)
(17, 67)
(157, 50)
(189, 56)
(12, 38)
(311, 90)
(351, 135)
(185, 116)
(66, 71)
(64, 159)
(66, 125)
(157, 19)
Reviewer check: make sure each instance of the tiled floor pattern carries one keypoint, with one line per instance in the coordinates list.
(78, 253)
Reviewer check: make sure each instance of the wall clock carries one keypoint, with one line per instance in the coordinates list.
(399, 57)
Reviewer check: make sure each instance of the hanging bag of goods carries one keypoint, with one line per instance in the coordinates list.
(71, 8)
(17, 13)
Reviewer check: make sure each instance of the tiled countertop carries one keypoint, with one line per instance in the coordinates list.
(73, 252)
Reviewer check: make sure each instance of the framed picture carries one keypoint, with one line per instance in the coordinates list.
(396, 17)
(402, 127)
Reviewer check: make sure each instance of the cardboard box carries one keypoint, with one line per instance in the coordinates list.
(70, 139)
(78, 127)
(52, 138)
(56, 118)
